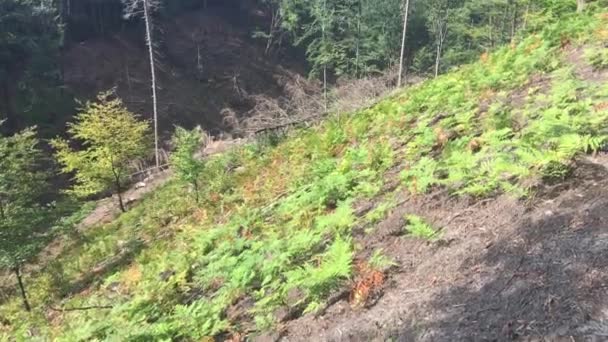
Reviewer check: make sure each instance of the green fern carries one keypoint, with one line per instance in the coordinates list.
(379, 261)
(334, 267)
(419, 228)
(421, 176)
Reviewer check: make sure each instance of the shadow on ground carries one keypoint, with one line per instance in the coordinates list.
(548, 277)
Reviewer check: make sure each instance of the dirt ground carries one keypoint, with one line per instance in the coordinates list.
(503, 270)
(206, 65)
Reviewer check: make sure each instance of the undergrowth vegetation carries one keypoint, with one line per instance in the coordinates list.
(419, 228)
(276, 235)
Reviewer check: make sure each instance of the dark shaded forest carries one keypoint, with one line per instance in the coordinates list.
(211, 52)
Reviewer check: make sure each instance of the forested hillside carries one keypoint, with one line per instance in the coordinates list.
(214, 57)
(472, 205)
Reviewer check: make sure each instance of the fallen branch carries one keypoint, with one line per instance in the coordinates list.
(84, 308)
(259, 130)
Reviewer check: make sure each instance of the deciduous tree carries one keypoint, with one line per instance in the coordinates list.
(184, 159)
(111, 139)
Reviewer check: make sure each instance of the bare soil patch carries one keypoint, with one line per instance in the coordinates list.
(503, 270)
(576, 56)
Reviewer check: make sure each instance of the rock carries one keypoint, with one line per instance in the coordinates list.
(114, 286)
(140, 185)
(282, 314)
(294, 297)
(166, 275)
(240, 310)
(240, 169)
(363, 207)
(271, 336)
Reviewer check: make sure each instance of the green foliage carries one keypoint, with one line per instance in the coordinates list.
(188, 167)
(555, 171)
(340, 220)
(349, 37)
(274, 229)
(419, 228)
(379, 261)
(379, 213)
(111, 137)
(421, 176)
(598, 58)
(334, 268)
(24, 225)
(29, 45)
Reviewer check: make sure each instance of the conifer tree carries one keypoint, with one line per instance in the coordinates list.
(24, 226)
(29, 43)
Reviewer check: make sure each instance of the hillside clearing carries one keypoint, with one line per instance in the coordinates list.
(464, 207)
(502, 270)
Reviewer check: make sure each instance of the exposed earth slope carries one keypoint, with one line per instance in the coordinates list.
(469, 207)
(206, 64)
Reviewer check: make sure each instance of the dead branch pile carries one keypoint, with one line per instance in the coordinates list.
(304, 102)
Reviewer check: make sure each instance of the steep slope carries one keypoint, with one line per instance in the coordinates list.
(502, 270)
(207, 63)
(468, 207)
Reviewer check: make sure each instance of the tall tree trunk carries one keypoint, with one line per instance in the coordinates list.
(580, 5)
(357, 42)
(325, 65)
(491, 31)
(196, 192)
(26, 303)
(514, 13)
(119, 189)
(6, 107)
(274, 24)
(442, 32)
(437, 58)
(527, 13)
(401, 59)
(121, 203)
(150, 41)
(2, 217)
(325, 87)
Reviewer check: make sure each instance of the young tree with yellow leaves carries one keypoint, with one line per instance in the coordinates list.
(111, 138)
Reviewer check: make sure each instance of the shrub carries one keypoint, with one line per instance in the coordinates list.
(187, 165)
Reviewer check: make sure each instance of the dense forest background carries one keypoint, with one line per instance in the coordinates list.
(211, 53)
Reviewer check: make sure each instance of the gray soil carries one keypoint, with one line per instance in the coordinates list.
(503, 270)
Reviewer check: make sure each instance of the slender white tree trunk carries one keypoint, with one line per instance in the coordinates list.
(442, 31)
(491, 31)
(437, 57)
(325, 65)
(580, 5)
(401, 62)
(150, 42)
(525, 24)
(325, 87)
(358, 41)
